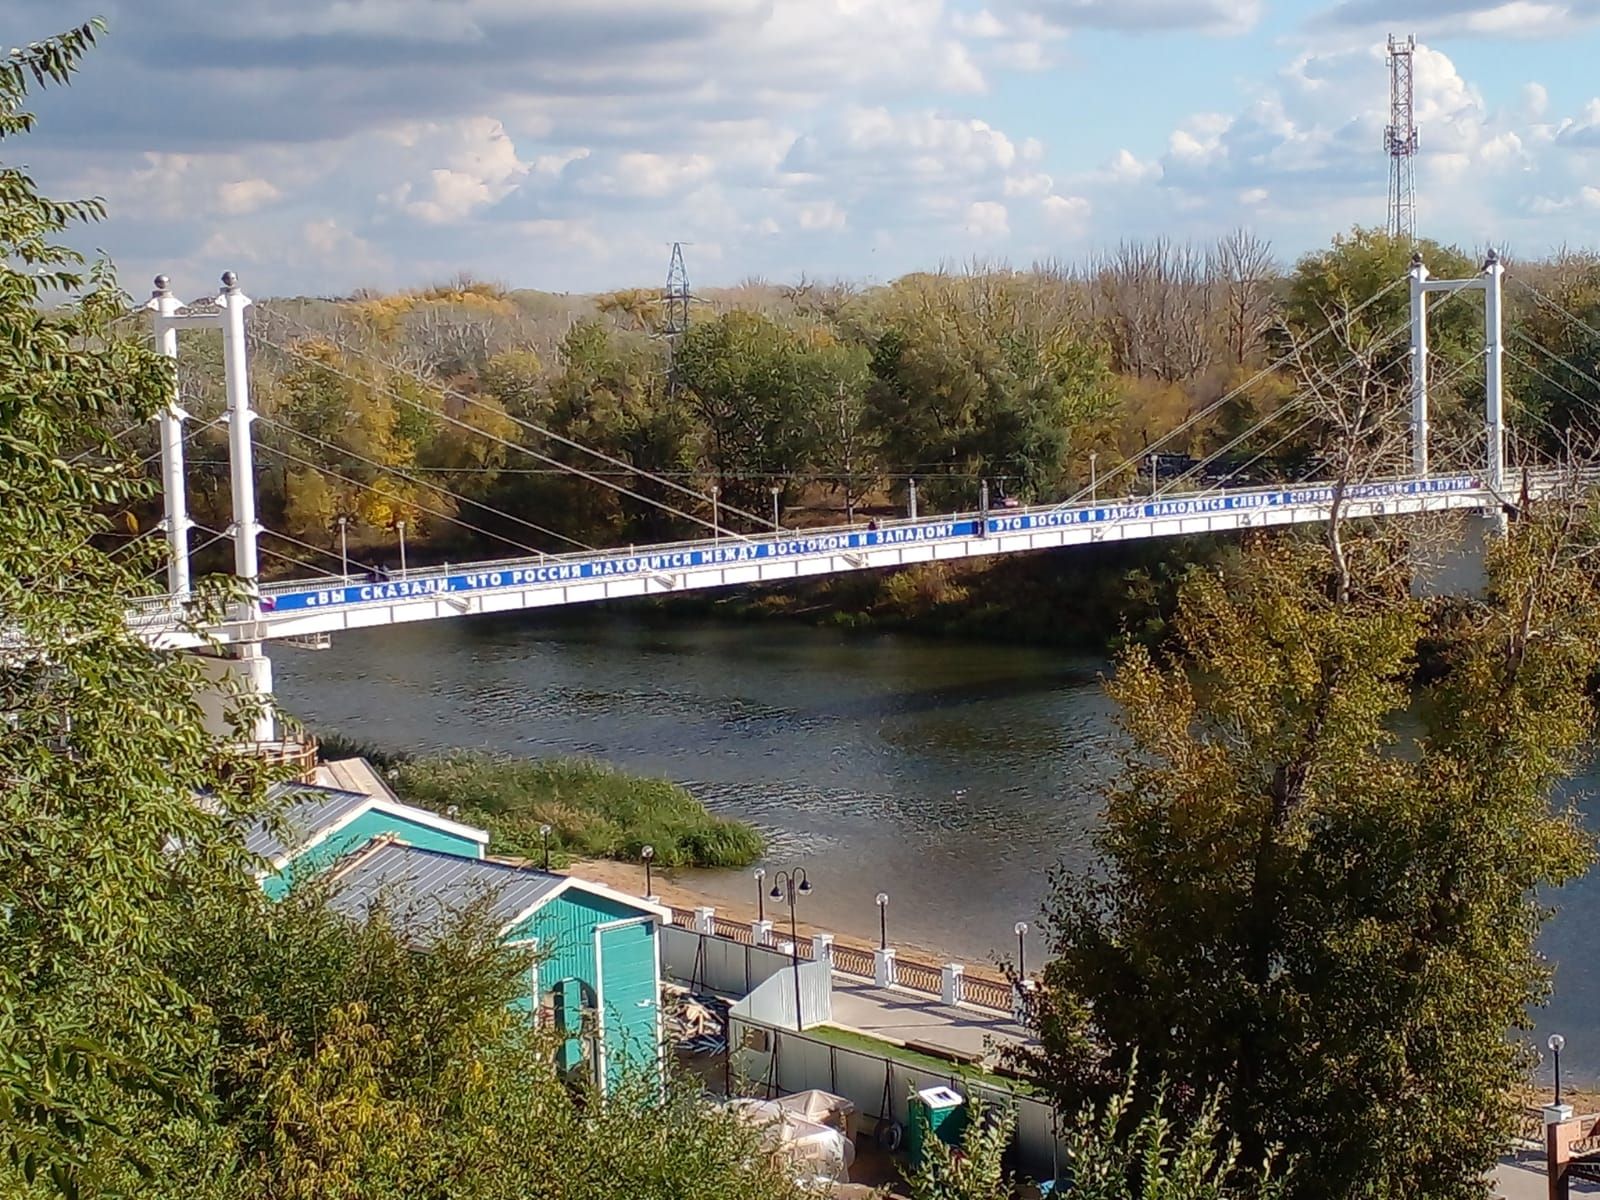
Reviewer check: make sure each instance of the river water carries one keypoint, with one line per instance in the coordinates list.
(952, 776)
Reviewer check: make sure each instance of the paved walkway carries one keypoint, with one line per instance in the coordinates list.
(1521, 1176)
(916, 1019)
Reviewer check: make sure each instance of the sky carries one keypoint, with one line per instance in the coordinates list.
(320, 146)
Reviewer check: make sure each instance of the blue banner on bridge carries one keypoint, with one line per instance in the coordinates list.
(731, 552)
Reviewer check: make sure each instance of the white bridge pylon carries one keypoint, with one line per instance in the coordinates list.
(1490, 283)
(315, 608)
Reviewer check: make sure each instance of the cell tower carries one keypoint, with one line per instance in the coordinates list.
(1400, 140)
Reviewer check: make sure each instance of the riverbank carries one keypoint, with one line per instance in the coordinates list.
(679, 889)
(590, 809)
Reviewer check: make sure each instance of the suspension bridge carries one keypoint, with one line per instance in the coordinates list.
(310, 607)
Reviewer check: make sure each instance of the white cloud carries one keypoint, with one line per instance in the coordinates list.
(1138, 16)
(987, 219)
(1454, 18)
(823, 215)
(1027, 185)
(1070, 213)
(245, 195)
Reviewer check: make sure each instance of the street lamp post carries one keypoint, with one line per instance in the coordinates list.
(761, 895)
(911, 501)
(400, 528)
(1021, 930)
(1094, 479)
(716, 513)
(648, 853)
(776, 491)
(344, 549)
(1556, 1043)
(792, 884)
(882, 901)
(544, 834)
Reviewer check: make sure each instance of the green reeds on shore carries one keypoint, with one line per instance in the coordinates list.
(593, 810)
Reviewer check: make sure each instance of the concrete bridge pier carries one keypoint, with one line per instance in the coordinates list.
(1449, 553)
(237, 698)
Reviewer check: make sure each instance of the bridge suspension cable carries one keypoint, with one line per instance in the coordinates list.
(533, 427)
(1288, 406)
(580, 472)
(405, 473)
(1232, 394)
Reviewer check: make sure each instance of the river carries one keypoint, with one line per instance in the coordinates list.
(951, 775)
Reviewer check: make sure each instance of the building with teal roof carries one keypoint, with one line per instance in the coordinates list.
(597, 974)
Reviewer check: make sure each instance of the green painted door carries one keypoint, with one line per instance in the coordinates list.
(630, 997)
(569, 1005)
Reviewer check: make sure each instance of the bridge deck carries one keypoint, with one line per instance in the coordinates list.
(312, 607)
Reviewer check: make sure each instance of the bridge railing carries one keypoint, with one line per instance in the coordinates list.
(1542, 478)
(911, 974)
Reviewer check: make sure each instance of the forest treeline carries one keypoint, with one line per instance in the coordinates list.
(461, 410)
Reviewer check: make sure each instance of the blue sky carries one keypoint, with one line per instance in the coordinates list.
(318, 146)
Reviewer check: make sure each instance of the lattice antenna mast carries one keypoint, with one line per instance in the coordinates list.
(675, 306)
(1400, 140)
(675, 299)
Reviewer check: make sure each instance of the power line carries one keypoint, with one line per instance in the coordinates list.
(532, 426)
(403, 472)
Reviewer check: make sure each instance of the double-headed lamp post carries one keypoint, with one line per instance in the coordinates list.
(1021, 930)
(544, 834)
(1557, 1043)
(761, 894)
(648, 853)
(882, 901)
(791, 885)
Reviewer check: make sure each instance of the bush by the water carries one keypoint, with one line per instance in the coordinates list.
(593, 810)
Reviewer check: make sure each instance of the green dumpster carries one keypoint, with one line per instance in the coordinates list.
(946, 1116)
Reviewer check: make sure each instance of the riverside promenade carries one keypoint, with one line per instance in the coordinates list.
(971, 1034)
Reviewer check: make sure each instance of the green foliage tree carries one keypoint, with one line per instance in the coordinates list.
(102, 747)
(754, 386)
(967, 385)
(1160, 1157)
(1335, 926)
(348, 1063)
(1337, 310)
(1121, 1151)
(1556, 381)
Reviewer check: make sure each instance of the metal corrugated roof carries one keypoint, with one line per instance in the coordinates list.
(355, 775)
(306, 808)
(423, 889)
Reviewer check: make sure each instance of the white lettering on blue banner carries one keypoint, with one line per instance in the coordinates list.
(734, 552)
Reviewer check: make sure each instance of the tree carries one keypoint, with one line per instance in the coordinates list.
(1242, 266)
(1556, 380)
(1354, 295)
(349, 1064)
(1336, 926)
(971, 381)
(1121, 1151)
(102, 747)
(754, 387)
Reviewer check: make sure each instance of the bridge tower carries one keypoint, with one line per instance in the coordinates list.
(242, 670)
(1400, 141)
(1459, 567)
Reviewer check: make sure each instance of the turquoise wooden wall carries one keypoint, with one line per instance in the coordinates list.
(356, 834)
(630, 998)
(628, 983)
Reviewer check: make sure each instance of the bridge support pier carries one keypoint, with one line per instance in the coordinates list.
(239, 681)
(1449, 553)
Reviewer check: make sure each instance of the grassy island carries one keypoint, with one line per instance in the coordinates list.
(593, 810)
